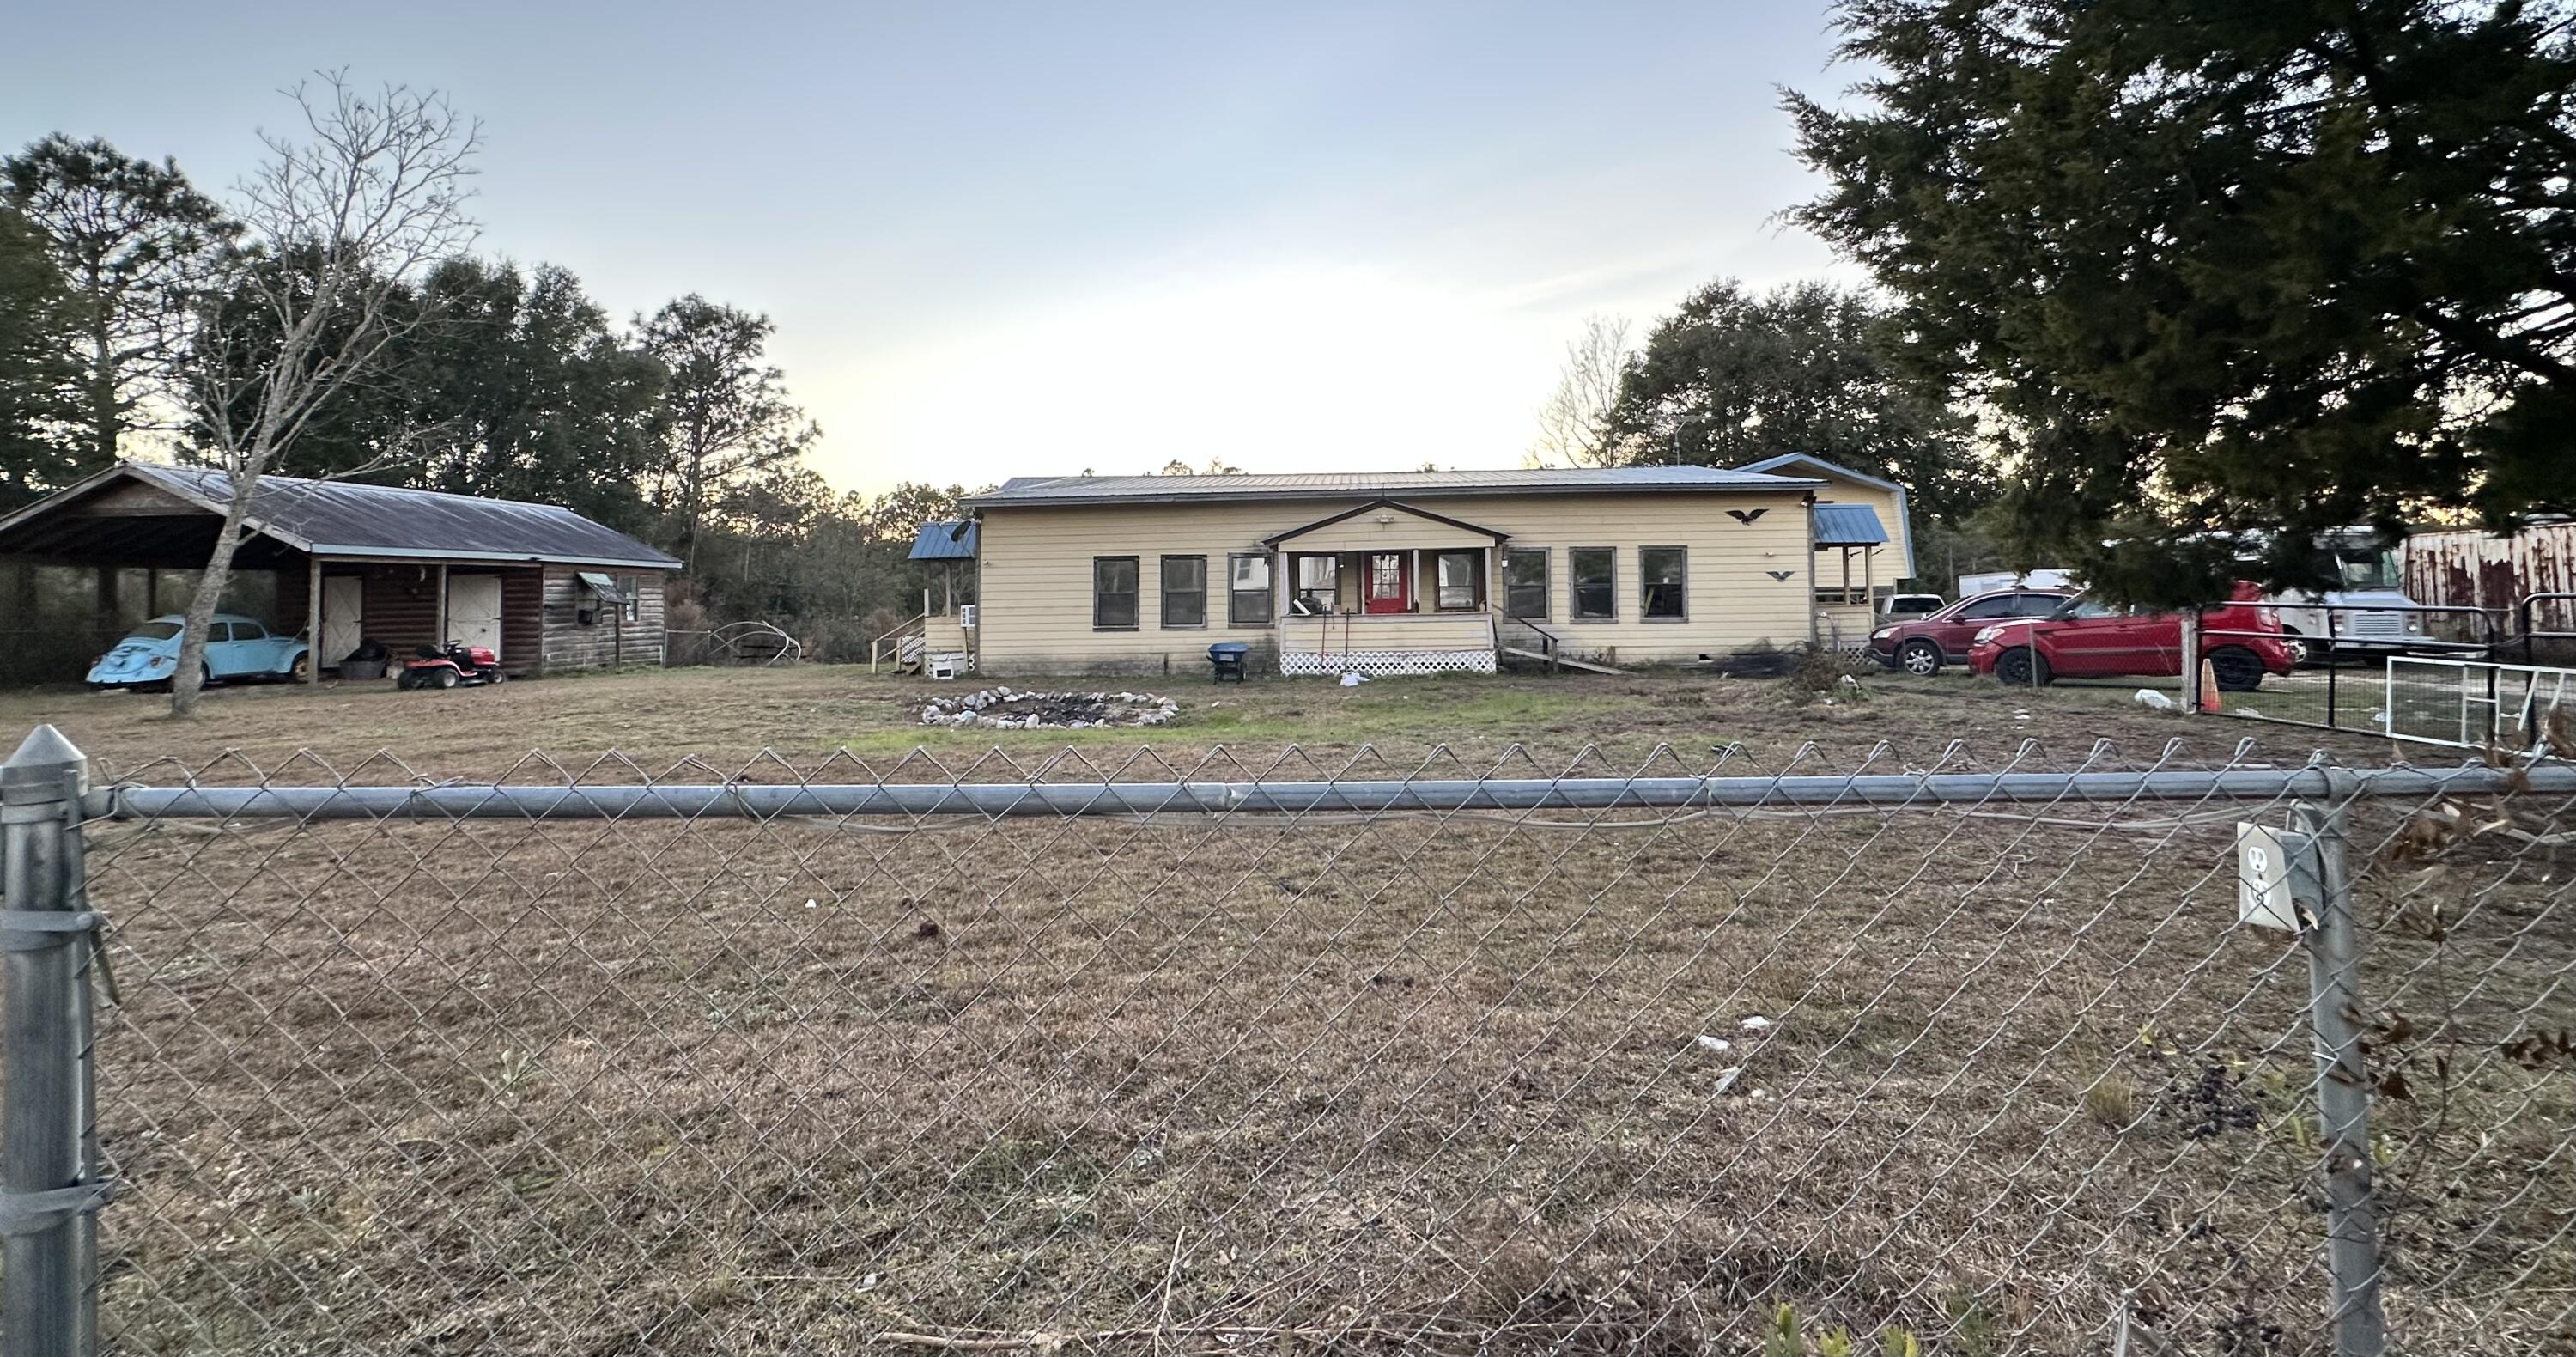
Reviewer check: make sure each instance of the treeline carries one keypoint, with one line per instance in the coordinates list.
(123, 290)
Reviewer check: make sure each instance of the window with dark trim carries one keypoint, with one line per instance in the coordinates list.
(1185, 591)
(1455, 586)
(1113, 593)
(1595, 571)
(1248, 600)
(1525, 582)
(1663, 576)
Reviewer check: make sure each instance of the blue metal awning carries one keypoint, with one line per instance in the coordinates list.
(945, 542)
(1849, 525)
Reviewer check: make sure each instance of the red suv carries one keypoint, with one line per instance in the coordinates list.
(1922, 645)
(2090, 639)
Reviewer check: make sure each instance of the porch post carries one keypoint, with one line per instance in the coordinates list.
(440, 640)
(312, 621)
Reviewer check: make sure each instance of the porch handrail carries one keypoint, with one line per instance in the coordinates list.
(917, 623)
(1548, 641)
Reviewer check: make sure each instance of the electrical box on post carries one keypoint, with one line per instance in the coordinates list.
(2276, 874)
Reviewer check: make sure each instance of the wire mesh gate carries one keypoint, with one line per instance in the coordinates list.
(1969, 1058)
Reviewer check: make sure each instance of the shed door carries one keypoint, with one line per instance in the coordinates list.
(474, 611)
(343, 618)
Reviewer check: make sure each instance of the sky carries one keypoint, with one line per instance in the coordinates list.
(1006, 240)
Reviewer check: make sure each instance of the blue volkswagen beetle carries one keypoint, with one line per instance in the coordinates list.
(236, 647)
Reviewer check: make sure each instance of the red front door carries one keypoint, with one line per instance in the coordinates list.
(1387, 587)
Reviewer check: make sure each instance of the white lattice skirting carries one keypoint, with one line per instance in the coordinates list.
(1386, 662)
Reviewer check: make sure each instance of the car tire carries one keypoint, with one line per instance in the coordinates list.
(446, 678)
(1922, 659)
(2302, 653)
(300, 669)
(2023, 667)
(2237, 669)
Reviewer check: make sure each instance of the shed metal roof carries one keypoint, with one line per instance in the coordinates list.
(944, 542)
(1042, 490)
(344, 518)
(1848, 525)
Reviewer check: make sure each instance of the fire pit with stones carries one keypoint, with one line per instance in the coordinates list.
(1004, 708)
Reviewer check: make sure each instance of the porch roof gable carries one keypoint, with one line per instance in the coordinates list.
(1384, 504)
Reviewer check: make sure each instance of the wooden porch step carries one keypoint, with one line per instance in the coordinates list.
(1542, 657)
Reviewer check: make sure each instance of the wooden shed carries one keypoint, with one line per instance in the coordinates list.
(547, 588)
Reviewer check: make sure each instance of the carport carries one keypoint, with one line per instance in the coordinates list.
(545, 587)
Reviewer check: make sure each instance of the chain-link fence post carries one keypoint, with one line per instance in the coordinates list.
(48, 1184)
(2343, 1088)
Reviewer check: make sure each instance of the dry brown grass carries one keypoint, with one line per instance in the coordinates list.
(724, 716)
(1419, 1084)
(1427, 1084)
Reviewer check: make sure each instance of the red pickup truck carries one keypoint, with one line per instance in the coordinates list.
(2089, 639)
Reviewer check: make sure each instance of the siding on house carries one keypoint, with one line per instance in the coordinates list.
(1035, 587)
(1892, 564)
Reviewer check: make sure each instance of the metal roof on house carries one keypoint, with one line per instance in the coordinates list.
(344, 518)
(1043, 490)
(1768, 464)
(944, 542)
(1848, 525)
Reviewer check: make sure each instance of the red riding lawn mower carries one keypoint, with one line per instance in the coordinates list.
(459, 664)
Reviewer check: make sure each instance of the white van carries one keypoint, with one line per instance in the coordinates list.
(2367, 611)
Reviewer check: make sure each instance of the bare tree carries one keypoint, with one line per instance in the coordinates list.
(339, 226)
(1574, 425)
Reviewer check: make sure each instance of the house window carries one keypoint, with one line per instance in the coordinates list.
(1319, 584)
(1596, 582)
(631, 589)
(1525, 583)
(1185, 591)
(1665, 574)
(1113, 593)
(1247, 594)
(1454, 575)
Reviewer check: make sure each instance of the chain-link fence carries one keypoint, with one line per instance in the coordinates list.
(1706, 1055)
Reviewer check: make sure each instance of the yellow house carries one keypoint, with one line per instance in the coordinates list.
(1859, 555)
(1395, 573)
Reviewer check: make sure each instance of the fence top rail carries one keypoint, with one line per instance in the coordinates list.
(2445, 662)
(1060, 799)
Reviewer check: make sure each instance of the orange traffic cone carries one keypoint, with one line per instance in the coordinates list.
(2209, 689)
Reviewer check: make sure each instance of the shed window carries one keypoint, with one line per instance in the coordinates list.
(1185, 591)
(1247, 595)
(1455, 572)
(1596, 582)
(1525, 583)
(1665, 574)
(631, 589)
(1113, 593)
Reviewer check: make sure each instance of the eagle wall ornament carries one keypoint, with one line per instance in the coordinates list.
(1780, 575)
(1746, 516)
